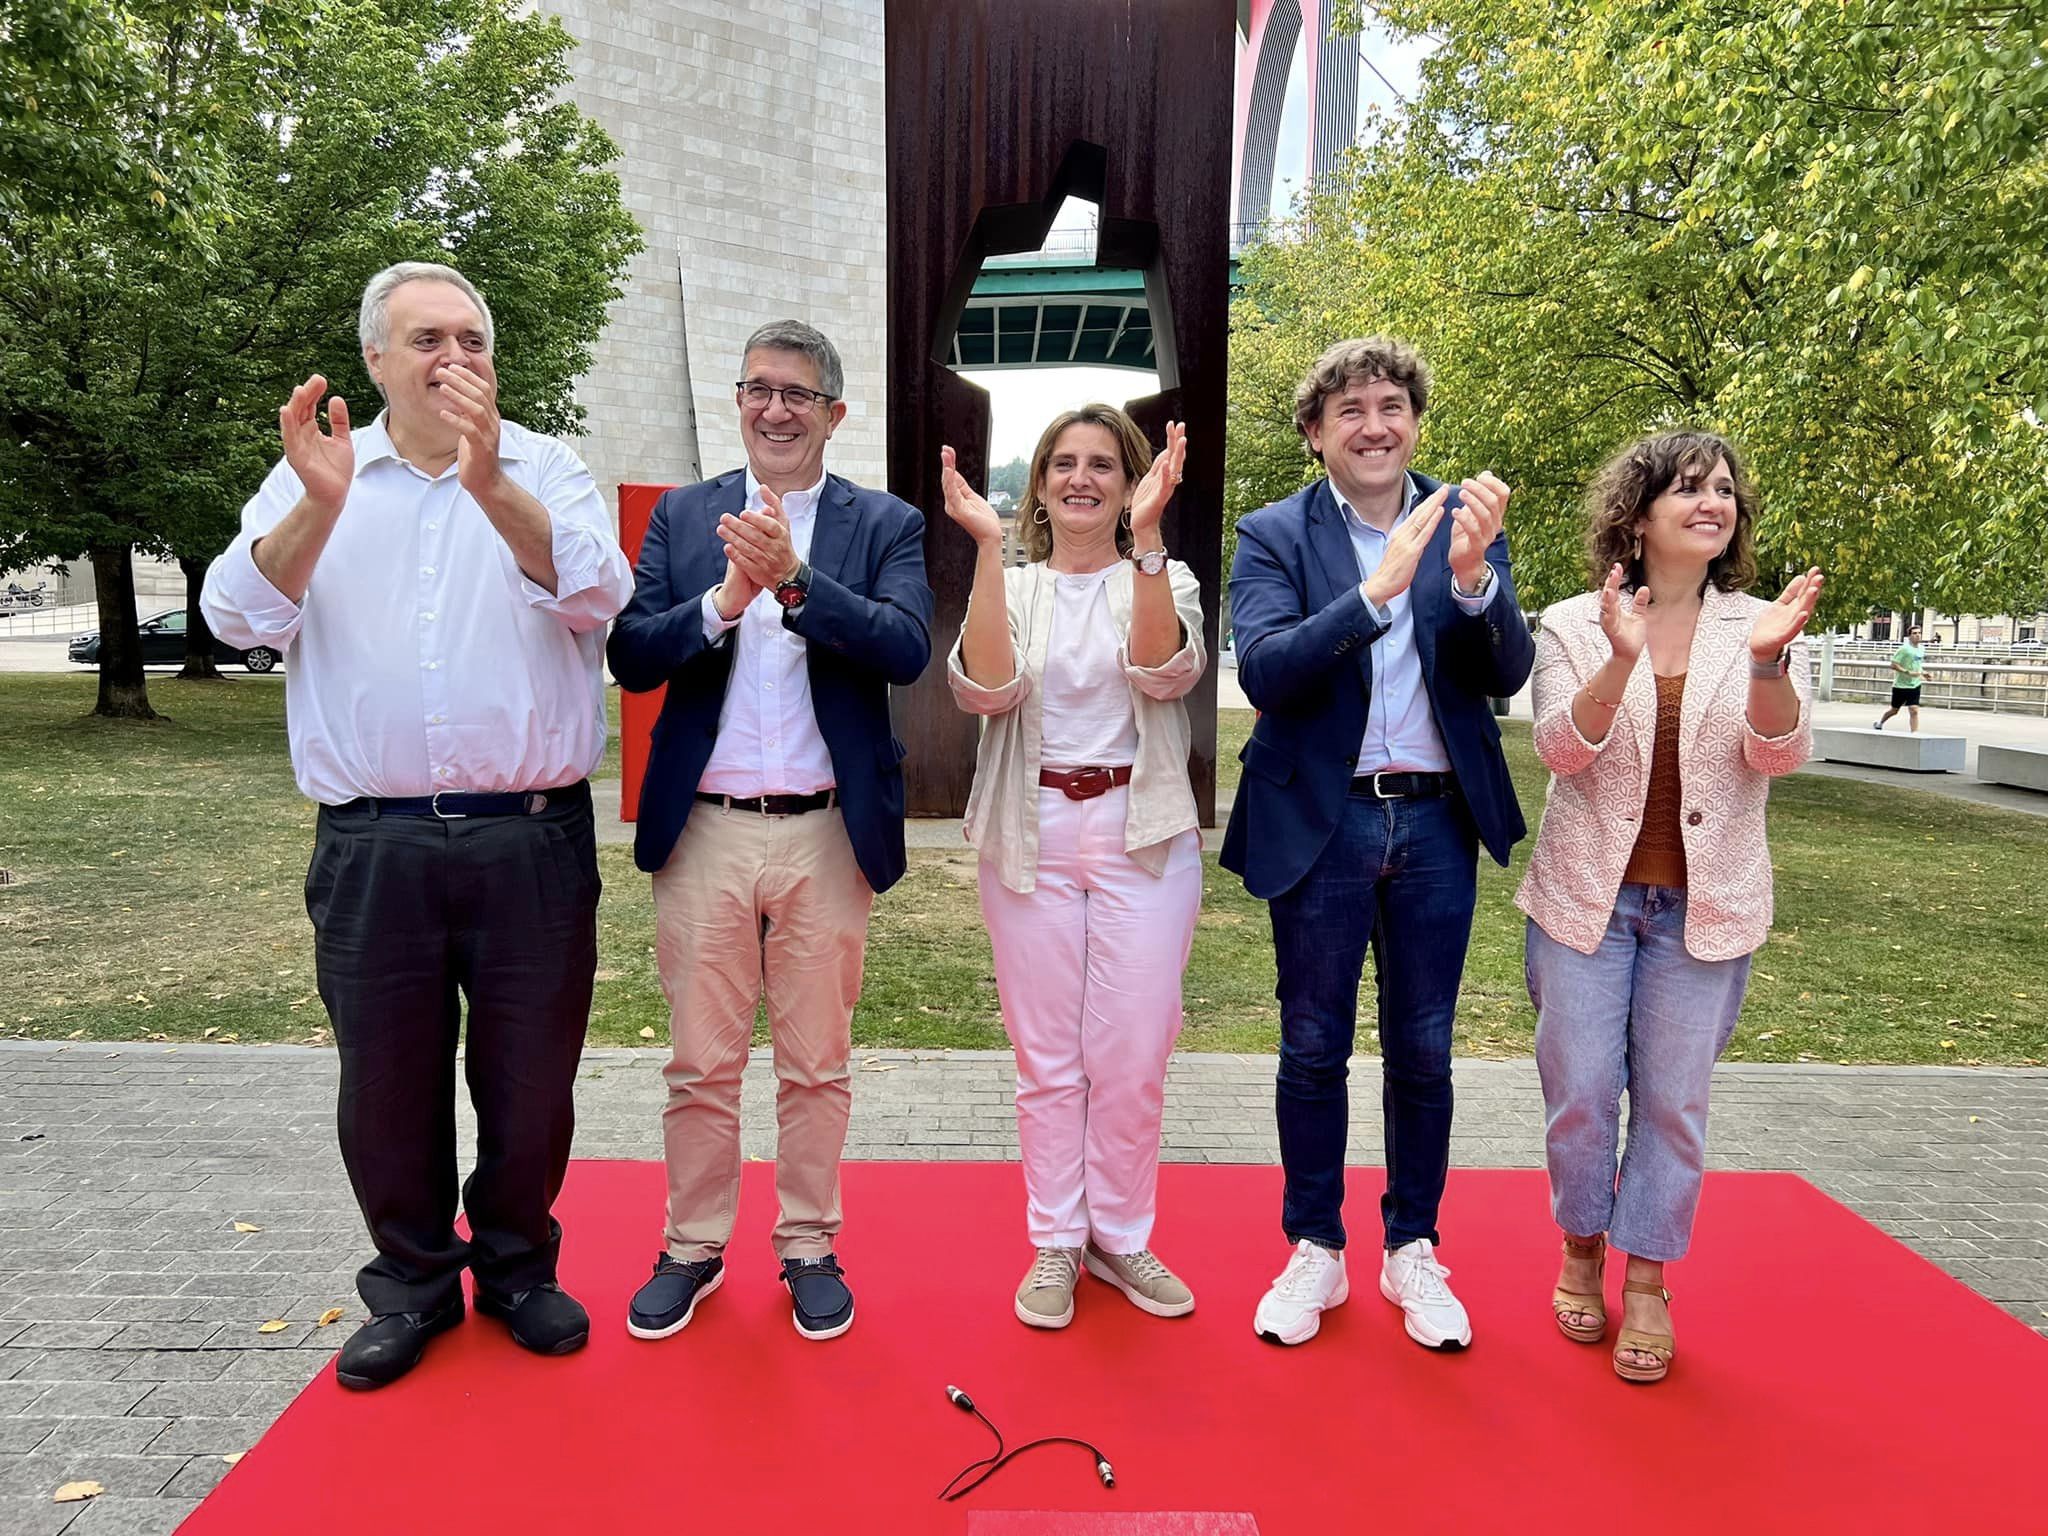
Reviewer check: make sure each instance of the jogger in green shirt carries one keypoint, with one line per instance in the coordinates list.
(1909, 664)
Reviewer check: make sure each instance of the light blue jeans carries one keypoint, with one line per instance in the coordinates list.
(1639, 1015)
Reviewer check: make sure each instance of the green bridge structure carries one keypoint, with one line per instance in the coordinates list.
(1054, 308)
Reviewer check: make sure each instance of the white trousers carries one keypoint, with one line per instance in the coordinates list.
(1089, 968)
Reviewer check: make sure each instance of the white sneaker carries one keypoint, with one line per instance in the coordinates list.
(1412, 1280)
(1313, 1282)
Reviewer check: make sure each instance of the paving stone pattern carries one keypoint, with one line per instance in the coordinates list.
(129, 1304)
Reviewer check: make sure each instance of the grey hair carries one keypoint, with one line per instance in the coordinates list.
(795, 336)
(373, 326)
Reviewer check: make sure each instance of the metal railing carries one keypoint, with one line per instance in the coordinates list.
(1078, 244)
(2001, 685)
(1938, 648)
(21, 622)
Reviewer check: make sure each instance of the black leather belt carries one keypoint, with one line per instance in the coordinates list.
(454, 805)
(775, 805)
(1403, 786)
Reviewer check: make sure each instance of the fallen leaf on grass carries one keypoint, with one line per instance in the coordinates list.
(331, 1315)
(247, 1226)
(1948, 1045)
(273, 1326)
(73, 1493)
(647, 1034)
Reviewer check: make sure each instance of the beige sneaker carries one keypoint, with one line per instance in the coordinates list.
(1046, 1298)
(1149, 1284)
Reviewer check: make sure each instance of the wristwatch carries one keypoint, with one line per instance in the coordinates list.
(1485, 586)
(793, 591)
(1150, 563)
(1777, 666)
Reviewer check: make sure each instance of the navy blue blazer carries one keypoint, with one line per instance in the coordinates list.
(868, 620)
(1304, 658)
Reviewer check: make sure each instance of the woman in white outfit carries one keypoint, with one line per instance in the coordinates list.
(1091, 868)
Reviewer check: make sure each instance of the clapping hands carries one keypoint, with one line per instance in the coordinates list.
(967, 509)
(1783, 622)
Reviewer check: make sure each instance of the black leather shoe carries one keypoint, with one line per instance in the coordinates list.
(390, 1344)
(665, 1304)
(817, 1288)
(545, 1319)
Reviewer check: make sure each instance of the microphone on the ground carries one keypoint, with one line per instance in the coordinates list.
(960, 1399)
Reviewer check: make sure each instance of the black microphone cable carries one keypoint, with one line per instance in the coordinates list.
(981, 1471)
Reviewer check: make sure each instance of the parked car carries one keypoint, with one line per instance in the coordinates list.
(163, 645)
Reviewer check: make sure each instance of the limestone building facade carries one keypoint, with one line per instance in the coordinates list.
(752, 155)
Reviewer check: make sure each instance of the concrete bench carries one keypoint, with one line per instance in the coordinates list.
(2025, 766)
(1908, 751)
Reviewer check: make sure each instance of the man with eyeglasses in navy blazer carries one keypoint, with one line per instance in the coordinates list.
(1375, 618)
(778, 603)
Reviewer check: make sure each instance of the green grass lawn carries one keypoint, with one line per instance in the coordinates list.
(158, 878)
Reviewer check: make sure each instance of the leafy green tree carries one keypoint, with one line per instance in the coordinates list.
(81, 128)
(1010, 477)
(138, 395)
(1822, 230)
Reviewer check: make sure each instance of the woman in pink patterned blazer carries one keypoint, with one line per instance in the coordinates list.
(1666, 701)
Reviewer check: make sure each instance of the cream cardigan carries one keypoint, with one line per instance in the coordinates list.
(1002, 809)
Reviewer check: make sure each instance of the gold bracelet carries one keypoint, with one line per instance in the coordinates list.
(1587, 690)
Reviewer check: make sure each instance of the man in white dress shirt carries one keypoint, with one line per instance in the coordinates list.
(776, 604)
(439, 583)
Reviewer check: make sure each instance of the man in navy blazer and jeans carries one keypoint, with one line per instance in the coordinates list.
(1375, 620)
(777, 603)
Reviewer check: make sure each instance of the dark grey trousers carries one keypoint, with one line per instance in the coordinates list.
(412, 916)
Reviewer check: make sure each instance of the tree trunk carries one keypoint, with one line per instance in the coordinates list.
(124, 695)
(199, 666)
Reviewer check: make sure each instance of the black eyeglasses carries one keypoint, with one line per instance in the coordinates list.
(797, 400)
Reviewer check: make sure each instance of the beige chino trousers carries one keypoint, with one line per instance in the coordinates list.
(749, 904)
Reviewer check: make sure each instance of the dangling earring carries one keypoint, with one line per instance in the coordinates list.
(1636, 550)
(1123, 519)
(1042, 515)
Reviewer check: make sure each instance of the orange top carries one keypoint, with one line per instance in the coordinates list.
(1659, 854)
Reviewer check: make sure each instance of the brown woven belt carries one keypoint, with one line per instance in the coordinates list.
(1084, 783)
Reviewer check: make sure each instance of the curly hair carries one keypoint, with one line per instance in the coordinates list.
(1620, 498)
(1034, 518)
(1359, 361)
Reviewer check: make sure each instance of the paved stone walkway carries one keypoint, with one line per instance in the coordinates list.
(129, 1302)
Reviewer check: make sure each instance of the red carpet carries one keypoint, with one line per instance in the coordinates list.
(1827, 1381)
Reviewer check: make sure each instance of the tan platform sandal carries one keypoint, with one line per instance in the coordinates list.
(1631, 1340)
(1566, 1305)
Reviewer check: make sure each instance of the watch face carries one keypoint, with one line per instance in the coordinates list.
(790, 595)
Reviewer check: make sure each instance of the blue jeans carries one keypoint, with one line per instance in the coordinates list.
(1400, 875)
(1639, 1014)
